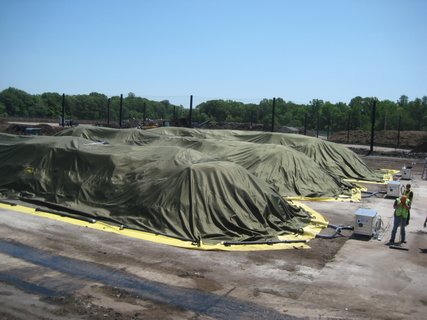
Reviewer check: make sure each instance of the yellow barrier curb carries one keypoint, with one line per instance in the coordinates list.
(310, 231)
(356, 196)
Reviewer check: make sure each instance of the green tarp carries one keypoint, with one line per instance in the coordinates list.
(210, 185)
(293, 164)
(170, 190)
(336, 159)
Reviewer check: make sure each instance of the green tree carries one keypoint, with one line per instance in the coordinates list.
(216, 110)
(387, 115)
(2, 110)
(53, 103)
(418, 111)
(15, 101)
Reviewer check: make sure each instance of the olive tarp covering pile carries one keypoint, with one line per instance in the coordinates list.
(164, 190)
(335, 159)
(174, 182)
(294, 165)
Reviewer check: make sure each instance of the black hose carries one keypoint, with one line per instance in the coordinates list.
(84, 216)
(63, 214)
(330, 225)
(7, 202)
(269, 242)
(60, 208)
(327, 236)
(338, 229)
(370, 194)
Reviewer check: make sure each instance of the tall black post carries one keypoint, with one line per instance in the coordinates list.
(145, 113)
(121, 111)
(174, 112)
(374, 108)
(63, 110)
(108, 111)
(305, 123)
(273, 114)
(318, 118)
(398, 130)
(190, 120)
(348, 128)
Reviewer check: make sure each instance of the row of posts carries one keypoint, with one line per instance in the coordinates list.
(121, 111)
(374, 105)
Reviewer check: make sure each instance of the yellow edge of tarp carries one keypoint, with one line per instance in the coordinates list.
(356, 192)
(318, 222)
(356, 196)
(387, 176)
(310, 231)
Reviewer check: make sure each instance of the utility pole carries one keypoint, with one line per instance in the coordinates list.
(63, 110)
(145, 114)
(305, 123)
(108, 111)
(273, 114)
(318, 118)
(348, 128)
(374, 108)
(190, 120)
(398, 130)
(121, 111)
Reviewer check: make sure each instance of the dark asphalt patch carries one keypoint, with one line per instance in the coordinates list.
(212, 305)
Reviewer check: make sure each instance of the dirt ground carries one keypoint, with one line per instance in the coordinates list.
(53, 270)
(390, 138)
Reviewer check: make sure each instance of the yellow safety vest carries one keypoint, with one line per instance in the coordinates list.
(401, 211)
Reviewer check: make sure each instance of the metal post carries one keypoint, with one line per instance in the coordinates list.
(145, 113)
(273, 114)
(398, 130)
(63, 110)
(190, 120)
(318, 118)
(108, 111)
(121, 111)
(374, 107)
(348, 128)
(305, 123)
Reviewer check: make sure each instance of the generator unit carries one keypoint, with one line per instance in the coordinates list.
(394, 189)
(365, 222)
(406, 173)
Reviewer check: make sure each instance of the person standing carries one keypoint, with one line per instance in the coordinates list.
(408, 192)
(401, 207)
(410, 195)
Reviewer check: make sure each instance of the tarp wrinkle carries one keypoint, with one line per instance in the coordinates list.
(206, 186)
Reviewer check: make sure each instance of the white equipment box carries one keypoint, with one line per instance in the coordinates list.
(365, 222)
(406, 173)
(394, 189)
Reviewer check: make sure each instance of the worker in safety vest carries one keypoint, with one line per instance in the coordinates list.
(410, 195)
(408, 192)
(401, 207)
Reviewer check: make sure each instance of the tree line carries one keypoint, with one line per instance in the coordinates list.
(402, 114)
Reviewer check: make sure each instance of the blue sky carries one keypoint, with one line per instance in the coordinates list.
(243, 50)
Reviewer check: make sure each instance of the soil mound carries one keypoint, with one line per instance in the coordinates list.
(19, 129)
(390, 138)
(420, 148)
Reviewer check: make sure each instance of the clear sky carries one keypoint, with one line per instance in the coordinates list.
(243, 50)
